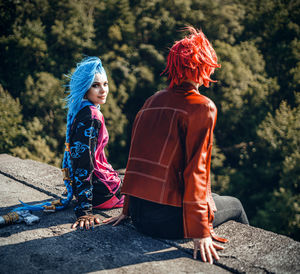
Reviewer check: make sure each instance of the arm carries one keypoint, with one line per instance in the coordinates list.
(197, 183)
(82, 147)
(122, 216)
(198, 142)
(195, 206)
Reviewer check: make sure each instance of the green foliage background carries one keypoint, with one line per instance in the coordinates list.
(256, 155)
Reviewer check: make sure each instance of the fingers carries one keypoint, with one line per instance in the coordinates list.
(93, 221)
(218, 247)
(86, 222)
(214, 253)
(207, 250)
(115, 220)
(208, 253)
(81, 224)
(195, 252)
(97, 221)
(118, 220)
(89, 221)
(75, 225)
(92, 226)
(109, 220)
(202, 253)
(196, 247)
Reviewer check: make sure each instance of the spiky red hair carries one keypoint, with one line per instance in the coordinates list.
(191, 58)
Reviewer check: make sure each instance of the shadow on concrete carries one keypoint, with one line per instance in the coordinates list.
(49, 219)
(46, 219)
(5, 210)
(58, 248)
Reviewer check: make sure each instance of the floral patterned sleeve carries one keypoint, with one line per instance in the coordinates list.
(83, 144)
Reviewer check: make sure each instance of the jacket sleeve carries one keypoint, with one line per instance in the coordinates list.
(196, 174)
(82, 148)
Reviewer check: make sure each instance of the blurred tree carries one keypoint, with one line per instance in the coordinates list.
(10, 122)
(32, 145)
(71, 33)
(44, 96)
(220, 175)
(257, 41)
(274, 26)
(23, 45)
(280, 135)
(241, 93)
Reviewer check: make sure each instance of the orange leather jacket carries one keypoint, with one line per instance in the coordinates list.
(170, 154)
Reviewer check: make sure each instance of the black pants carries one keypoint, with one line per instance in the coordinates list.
(165, 221)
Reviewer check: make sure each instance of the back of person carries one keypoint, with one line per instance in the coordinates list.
(163, 124)
(167, 181)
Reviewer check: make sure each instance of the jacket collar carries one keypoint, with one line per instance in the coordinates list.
(185, 87)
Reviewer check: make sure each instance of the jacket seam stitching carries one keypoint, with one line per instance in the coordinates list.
(195, 202)
(148, 161)
(167, 139)
(167, 171)
(159, 108)
(146, 175)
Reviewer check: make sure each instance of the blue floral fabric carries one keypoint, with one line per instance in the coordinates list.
(83, 143)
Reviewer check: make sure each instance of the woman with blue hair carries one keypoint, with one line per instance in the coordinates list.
(88, 175)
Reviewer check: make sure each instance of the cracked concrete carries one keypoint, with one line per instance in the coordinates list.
(52, 246)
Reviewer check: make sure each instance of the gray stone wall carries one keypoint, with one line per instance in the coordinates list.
(52, 246)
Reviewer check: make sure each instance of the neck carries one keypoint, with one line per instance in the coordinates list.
(196, 85)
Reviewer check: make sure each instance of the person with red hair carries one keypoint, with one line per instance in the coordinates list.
(167, 178)
(191, 58)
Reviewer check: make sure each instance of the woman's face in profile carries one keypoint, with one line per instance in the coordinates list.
(99, 90)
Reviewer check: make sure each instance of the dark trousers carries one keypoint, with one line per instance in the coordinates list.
(165, 221)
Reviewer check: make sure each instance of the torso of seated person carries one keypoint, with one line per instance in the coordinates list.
(96, 182)
(170, 154)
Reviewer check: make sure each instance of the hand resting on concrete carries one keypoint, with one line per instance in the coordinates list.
(207, 249)
(115, 220)
(206, 246)
(87, 221)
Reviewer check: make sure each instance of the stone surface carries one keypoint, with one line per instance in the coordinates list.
(12, 191)
(253, 250)
(40, 176)
(52, 246)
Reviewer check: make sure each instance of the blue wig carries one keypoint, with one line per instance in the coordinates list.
(80, 82)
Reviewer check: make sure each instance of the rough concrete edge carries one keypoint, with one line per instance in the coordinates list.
(30, 185)
(169, 242)
(190, 251)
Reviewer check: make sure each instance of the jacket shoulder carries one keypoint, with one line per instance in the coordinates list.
(203, 101)
(88, 112)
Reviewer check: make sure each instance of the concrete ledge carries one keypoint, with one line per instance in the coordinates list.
(51, 246)
(254, 250)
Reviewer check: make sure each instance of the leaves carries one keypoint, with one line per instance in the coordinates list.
(255, 156)
(11, 120)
